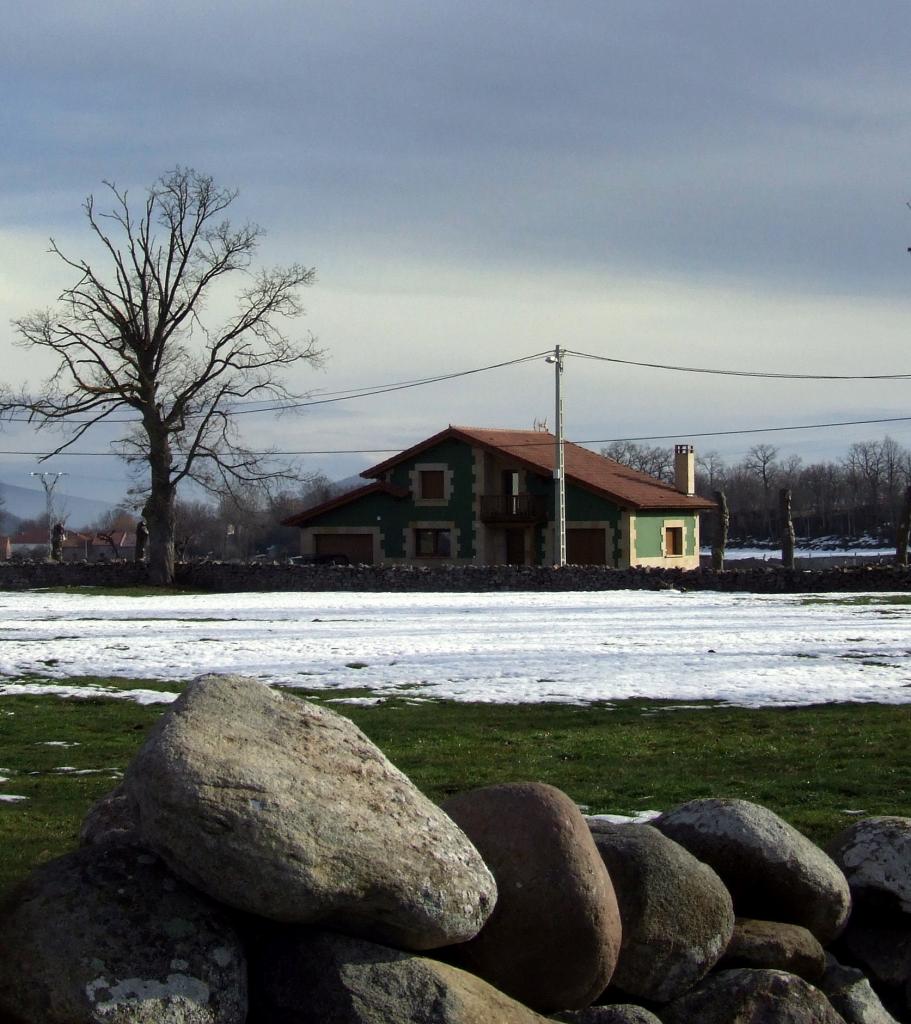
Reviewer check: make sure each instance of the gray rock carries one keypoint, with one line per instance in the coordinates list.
(776, 946)
(553, 939)
(875, 855)
(305, 976)
(772, 871)
(850, 993)
(287, 811)
(619, 1013)
(752, 997)
(676, 915)
(882, 947)
(114, 818)
(108, 934)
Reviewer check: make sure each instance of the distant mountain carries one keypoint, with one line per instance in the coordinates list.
(26, 503)
(349, 483)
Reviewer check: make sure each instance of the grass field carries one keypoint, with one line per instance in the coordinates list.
(816, 766)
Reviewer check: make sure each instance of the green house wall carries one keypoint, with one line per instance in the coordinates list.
(459, 509)
(650, 532)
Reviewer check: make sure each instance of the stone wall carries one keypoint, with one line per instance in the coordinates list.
(230, 578)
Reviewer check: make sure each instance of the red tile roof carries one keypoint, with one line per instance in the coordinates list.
(535, 450)
(35, 537)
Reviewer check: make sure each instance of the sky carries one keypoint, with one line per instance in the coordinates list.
(748, 650)
(708, 184)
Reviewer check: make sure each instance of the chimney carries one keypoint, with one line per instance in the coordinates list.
(685, 469)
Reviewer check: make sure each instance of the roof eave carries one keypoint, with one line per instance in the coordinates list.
(376, 487)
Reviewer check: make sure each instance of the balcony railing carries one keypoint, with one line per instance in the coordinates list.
(513, 508)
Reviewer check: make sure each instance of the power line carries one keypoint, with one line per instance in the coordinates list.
(544, 442)
(242, 409)
(749, 430)
(741, 373)
(327, 398)
(332, 397)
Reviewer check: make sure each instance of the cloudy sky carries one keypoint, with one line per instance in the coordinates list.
(713, 184)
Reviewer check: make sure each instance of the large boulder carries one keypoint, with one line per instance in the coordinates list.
(676, 915)
(882, 946)
(113, 818)
(772, 871)
(108, 934)
(305, 976)
(618, 1013)
(287, 811)
(776, 946)
(752, 997)
(552, 941)
(875, 855)
(852, 996)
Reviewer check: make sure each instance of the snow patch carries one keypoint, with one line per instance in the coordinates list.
(749, 650)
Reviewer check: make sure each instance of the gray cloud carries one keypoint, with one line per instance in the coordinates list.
(726, 180)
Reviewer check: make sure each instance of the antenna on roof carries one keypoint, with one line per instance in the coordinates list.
(540, 426)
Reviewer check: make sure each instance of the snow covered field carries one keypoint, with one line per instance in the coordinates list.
(744, 649)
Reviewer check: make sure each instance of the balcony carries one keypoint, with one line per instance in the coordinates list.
(513, 508)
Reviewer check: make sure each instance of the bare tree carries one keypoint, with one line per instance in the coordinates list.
(710, 466)
(132, 339)
(865, 466)
(652, 459)
(760, 461)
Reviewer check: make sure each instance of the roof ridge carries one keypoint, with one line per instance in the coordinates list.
(499, 430)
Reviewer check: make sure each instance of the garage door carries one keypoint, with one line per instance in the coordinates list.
(356, 547)
(585, 547)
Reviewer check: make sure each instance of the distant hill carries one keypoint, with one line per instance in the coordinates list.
(27, 503)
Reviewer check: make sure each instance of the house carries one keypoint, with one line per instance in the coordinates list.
(30, 543)
(78, 546)
(486, 497)
(116, 545)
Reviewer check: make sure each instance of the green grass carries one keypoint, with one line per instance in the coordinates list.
(107, 732)
(811, 765)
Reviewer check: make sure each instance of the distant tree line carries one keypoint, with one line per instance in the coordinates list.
(860, 493)
(240, 523)
(245, 522)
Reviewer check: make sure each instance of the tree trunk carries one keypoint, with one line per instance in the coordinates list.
(160, 516)
(787, 528)
(160, 513)
(721, 540)
(904, 529)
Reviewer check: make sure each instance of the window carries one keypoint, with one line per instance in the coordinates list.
(432, 543)
(673, 541)
(432, 483)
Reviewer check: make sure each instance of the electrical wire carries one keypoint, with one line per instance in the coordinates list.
(241, 409)
(366, 392)
(740, 373)
(545, 443)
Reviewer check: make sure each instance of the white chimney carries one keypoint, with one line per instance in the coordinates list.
(685, 469)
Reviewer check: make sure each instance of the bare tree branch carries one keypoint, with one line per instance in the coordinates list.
(135, 336)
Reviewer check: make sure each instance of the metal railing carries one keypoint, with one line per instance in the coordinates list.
(513, 508)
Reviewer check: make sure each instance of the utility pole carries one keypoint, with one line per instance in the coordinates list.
(49, 482)
(559, 475)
